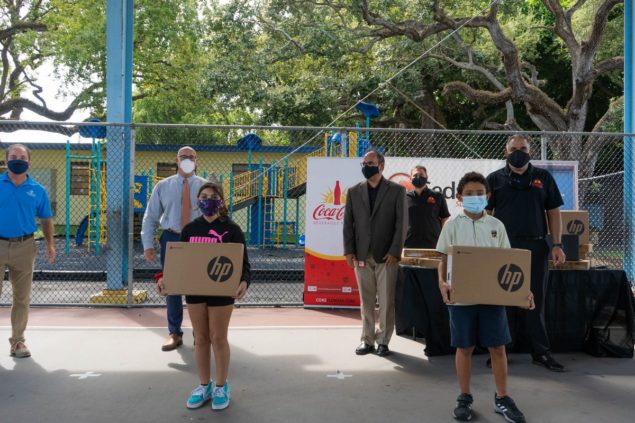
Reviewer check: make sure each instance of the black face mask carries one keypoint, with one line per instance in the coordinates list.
(518, 159)
(419, 181)
(370, 171)
(18, 166)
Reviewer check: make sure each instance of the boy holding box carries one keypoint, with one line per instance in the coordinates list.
(472, 322)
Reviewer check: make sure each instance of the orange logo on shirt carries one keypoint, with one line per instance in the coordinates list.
(431, 200)
(537, 183)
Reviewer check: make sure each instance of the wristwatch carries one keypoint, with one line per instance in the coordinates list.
(557, 245)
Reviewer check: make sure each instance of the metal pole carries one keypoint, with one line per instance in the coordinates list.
(260, 192)
(119, 37)
(231, 194)
(68, 197)
(543, 148)
(297, 221)
(285, 187)
(629, 145)
(131, 220)
(98, 200)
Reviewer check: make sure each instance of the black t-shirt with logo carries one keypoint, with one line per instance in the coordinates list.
(521, 205)
(425, 212)
(219, 231)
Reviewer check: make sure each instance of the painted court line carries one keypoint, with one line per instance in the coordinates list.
(186, 327)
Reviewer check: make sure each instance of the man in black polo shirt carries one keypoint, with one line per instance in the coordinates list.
(527, 200)
(427, 211)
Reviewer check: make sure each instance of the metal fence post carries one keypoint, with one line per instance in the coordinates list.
(543, 148)
(67, 194)
(131, 188)
(629, 146)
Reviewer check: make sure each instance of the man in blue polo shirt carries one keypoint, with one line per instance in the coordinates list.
(21, 201)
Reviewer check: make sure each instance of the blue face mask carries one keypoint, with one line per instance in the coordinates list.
(474, 203)
(18, 166)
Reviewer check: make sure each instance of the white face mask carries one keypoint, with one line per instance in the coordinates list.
(187, 166)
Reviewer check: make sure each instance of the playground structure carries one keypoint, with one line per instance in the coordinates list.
(263, 190)
(261, 186)
(94, 224)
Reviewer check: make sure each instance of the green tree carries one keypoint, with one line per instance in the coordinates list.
(72, 36)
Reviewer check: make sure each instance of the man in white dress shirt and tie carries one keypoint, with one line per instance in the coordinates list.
(172, 205)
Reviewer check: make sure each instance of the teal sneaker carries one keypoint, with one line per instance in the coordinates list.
(220, 397)
(199, 396)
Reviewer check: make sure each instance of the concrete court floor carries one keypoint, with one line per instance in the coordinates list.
(288, 365)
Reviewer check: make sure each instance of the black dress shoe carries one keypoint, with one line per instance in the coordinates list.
(382, 350)
(364, 349)
(546, 360)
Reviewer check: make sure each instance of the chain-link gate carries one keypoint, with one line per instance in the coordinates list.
(263, 174)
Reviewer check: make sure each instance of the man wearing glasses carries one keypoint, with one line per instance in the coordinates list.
(172, 205)
(374, 229)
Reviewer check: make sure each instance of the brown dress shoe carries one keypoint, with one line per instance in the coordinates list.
(20, 350)
(172, 342)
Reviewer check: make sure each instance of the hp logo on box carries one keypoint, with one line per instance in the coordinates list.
(220, 269)
(510, 277)
(575, 227)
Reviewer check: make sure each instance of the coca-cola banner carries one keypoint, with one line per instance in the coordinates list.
(328, 281)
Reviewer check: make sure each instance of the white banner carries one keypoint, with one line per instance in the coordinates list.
(324, 219)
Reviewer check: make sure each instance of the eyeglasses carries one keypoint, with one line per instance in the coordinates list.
(362, 164)
(184, 157)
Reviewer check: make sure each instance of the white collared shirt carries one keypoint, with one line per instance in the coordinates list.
(463, 230)
(164, 208)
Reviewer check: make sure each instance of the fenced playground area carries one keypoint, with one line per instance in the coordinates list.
(264, 177)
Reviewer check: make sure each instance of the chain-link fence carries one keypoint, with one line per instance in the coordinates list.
(263, 172)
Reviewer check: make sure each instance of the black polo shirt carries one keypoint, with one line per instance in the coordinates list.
(425, 212)
(522, 208)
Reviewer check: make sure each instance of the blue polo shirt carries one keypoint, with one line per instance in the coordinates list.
(20, 205)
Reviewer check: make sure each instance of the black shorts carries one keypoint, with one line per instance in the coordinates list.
(210, 301)
(480, 322)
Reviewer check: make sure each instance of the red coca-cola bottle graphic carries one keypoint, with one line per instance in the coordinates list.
(337, 194)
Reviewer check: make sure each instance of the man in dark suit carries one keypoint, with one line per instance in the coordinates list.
(374, 228)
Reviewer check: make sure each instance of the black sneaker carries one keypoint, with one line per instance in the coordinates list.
(506, 406)
(546, 360)
(463, 410)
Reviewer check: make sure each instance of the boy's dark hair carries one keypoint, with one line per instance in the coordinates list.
(472, 177)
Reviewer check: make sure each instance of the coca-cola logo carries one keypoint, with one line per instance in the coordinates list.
(324, 212)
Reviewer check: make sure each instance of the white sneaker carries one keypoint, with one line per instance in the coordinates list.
(220, 399)
(199, 396)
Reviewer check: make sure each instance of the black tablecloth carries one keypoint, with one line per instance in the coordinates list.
(591, 311)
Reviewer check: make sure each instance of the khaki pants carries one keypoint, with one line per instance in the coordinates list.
(19, 258)
(377, 281)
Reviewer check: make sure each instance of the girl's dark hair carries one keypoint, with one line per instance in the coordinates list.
(472, 177)
(218, 189)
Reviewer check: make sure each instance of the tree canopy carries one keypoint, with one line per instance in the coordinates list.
(536, 64)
